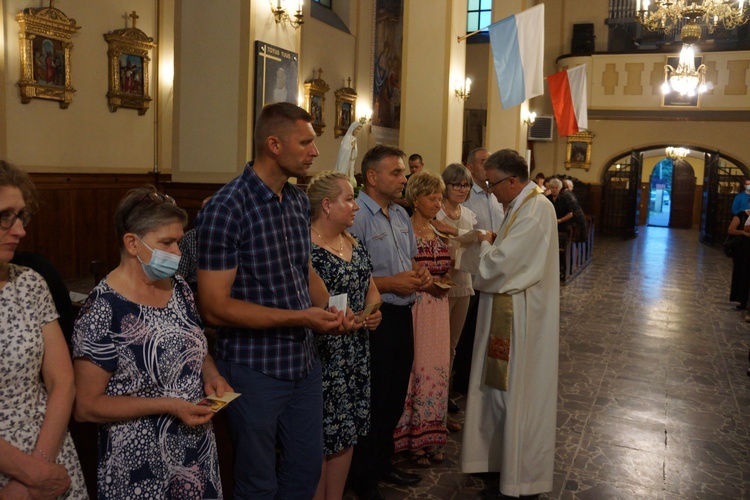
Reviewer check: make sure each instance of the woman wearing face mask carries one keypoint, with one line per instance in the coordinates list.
(141, 364)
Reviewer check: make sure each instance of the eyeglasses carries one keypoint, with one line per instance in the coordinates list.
(493, 184)
(458, 187)
(8, 218)
(157, 198)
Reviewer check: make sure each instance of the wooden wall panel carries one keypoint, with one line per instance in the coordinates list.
(75, 222)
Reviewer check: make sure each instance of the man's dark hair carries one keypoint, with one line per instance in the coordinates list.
(416, 157)
(509, 162)
(275, 120)
(376, 154)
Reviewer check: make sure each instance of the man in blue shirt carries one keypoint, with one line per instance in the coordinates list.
(385, 230)
(257, 285)
(741, 200)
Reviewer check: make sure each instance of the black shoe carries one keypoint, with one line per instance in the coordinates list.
(453, 406)
(401, 478)
(741, 307)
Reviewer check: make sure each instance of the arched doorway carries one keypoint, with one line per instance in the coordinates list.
(626, 195)
(671, 194)
(660, 188)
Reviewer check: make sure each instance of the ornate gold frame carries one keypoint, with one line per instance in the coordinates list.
(49, 31)
(315, 99)
(346, 104)
(134, 46)
(579, 150)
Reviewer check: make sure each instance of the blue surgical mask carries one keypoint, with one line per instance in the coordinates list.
(162, 264)
(747, 188)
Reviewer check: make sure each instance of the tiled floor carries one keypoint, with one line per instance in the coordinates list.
(654, 400)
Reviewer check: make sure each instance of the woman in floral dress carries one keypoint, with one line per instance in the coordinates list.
(37, 457)
(344, 266)
(142, 364)
(422, 428)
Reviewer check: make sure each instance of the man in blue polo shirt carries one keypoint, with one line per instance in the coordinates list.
(256, 284)
(385, 230)
(740, 201)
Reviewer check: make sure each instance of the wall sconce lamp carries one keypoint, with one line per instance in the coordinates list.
(464, 91)
(529, 117)
(366, 119)
(281, 13)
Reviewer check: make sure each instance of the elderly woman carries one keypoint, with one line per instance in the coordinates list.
(422, 427)
(457, 220)
(345, 267)
(37, 457)
(141, 364)
(563, 204)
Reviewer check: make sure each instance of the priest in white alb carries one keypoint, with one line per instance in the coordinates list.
(512, 399)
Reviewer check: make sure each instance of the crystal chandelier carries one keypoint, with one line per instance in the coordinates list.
(676, 153)
(663, 15)
(685, 79)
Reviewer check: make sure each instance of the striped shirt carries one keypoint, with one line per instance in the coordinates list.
(246, 227)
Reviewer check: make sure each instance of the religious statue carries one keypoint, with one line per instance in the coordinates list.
(348, 152)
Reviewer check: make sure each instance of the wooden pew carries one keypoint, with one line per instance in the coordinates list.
(575, 256)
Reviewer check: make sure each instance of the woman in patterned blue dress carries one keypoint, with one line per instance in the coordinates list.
(345, 267)
(141, 364)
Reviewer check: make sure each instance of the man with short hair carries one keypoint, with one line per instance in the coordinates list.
(482, 202)
(415, 164)
(256, 283)
(741, 200)
(384, 229)
(512, 401)
(490, 215)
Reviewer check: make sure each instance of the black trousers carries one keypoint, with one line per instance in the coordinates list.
(391, 358)
(465, 348)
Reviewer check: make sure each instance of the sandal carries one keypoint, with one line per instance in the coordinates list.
(420, 459)
(437, 456)
(452, 424)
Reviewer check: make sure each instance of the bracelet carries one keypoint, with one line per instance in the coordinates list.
(44, 455)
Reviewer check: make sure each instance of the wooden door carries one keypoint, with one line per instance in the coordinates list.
(683, 194)
(621, 198)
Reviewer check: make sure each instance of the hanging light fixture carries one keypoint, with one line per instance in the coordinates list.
(663, 15)
(676, 153)
(686, 79)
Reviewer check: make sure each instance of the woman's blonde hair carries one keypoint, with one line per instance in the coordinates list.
(325, 185)
(423, 183)
(322, 186)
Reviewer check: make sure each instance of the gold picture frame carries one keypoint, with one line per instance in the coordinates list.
(315, 99)
(45, 42)
(128, 56)
(579, 150)
(346, 103)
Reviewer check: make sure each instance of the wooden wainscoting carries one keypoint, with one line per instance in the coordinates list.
(75, 223)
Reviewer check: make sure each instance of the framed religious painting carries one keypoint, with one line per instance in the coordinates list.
(275, 75)
(45, 43)
(315, 100)
(128, 57)
(346, 101)
(578, 154)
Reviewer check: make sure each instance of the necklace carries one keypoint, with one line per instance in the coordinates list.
(340, 251)
(454, 214)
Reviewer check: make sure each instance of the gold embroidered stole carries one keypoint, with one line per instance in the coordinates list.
(501, 325)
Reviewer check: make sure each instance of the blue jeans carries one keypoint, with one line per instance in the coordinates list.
(290, 411)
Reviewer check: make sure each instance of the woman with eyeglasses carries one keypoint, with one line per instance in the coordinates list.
(37, 457)
(141, 364)
(457, 220)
